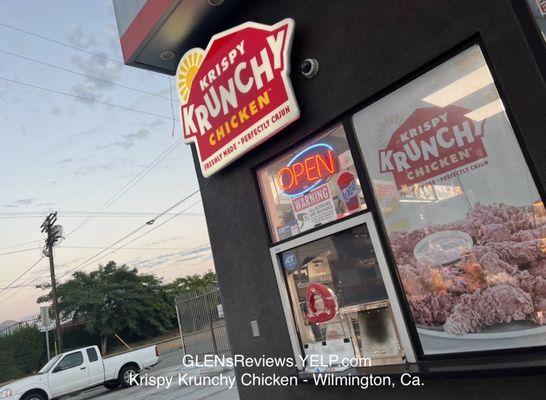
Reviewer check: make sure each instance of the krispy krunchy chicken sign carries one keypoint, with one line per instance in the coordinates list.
(431, 142)
(236, 93)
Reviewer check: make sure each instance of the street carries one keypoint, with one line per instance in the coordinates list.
(170, 365)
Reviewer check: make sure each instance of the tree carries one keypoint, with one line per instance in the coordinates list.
(113, 298)
(182, 290)
(190, 283)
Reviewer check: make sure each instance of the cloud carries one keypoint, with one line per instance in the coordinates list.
(27, 202)
(85, 94)
(85, 169)
(45, 204)
(63, 267)
(200, 252)
(24, 202)
(20, 202)
(105, 71)
(152, 244)
(79, 38)
(128, 140)
(100, 70)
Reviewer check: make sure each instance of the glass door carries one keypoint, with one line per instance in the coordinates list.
(339, 300)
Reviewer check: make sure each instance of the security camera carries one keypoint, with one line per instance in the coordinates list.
(309, 67)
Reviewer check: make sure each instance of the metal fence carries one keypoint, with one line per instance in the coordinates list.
(11, 328)
(202, 325)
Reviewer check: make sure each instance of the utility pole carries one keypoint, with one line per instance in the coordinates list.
(54, 234)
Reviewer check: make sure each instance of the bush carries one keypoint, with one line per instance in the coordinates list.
(8, 369)
(22, 353)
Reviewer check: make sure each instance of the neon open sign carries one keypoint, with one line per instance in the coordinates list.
(308, 169)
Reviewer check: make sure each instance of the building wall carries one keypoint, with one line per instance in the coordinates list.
(363, 47)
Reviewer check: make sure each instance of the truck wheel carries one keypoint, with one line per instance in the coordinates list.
(126, 374)
(34, 396)
(111, 385)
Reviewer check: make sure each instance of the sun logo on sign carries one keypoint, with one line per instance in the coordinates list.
(187, 69)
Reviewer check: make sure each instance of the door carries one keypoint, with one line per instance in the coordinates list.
(95, 367)
(339, 298)
(69, 375)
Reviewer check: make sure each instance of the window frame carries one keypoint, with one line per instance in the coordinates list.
(332, 125)
(340, 226)
(58, 366)
(374, 207)
(94, 352)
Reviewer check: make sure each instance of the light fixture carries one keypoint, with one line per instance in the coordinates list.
(468, 84)
(167, 55)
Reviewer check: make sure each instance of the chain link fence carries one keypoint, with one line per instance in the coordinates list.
(202, 325)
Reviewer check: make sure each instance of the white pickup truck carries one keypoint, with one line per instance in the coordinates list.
(81, 369)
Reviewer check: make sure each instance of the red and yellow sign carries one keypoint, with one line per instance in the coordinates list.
(236, 93)
(431, 142)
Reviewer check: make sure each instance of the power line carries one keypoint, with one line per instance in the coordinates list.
(59, 43)
(79, 214)
(84, 75)
(83, 98)
(12, 295)
(129, 185)
(125, 248)
(86, 263)
(158, 226)
(28, 282)
(23, 274)
(92, 259)
(17, 251)
(86, 215)
(20, 244)
(170, 208)
(17, 287)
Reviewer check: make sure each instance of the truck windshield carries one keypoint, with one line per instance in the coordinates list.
(45, 369)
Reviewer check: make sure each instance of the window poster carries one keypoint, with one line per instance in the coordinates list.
(466, 223)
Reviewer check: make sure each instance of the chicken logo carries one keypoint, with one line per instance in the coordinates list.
(236, 93)
(432, 142)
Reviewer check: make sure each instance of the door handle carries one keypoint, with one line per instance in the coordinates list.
(82, 368)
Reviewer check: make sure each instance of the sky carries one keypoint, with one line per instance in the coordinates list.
(71, 153)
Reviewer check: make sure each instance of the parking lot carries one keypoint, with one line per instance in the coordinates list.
(170, 365)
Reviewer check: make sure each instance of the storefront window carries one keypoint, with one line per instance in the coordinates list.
(339, 300)
(464, 217)
(538, 9)
(312, 185)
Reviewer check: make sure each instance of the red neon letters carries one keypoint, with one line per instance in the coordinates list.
(302, 174)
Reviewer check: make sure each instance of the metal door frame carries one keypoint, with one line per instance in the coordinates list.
(362, 219)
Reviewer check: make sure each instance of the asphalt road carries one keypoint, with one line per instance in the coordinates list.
(170, 365)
